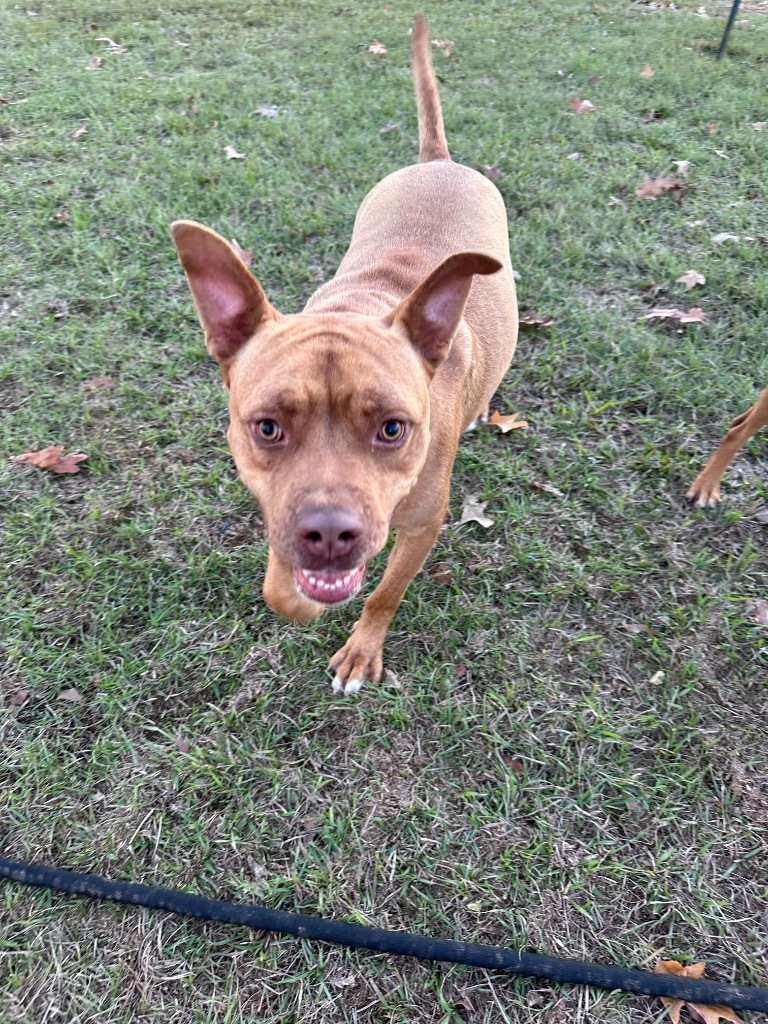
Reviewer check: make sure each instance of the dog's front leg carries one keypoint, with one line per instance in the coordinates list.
(361, 656)
(281, 594)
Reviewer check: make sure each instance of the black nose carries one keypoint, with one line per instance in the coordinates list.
(328, 535)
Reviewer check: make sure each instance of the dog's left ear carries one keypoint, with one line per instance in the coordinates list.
(431, 314)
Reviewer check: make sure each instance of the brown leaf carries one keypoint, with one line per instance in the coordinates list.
(99, 382)
(444, 44)
(760, 612)
(51, 458)
(94, 64)
(647, 71)
(505, 423)
(581, 106)
(549, 488)
(377, 47)
(442, 572)
(690, 279)
(19, 698)
(73, 696)
(683, 167)
(79, 131)
(246, 255)
(112, 46)
(232, 153)
(653, 187)
(693, 316)
(698, 1011)
(474, 512)
(62, 216)
(531, 320)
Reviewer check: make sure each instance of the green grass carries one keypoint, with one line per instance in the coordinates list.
(523, 775)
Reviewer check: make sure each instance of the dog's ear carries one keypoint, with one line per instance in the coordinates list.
(230, 302)
(430, 315)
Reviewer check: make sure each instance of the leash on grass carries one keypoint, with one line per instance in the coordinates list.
(339, 933)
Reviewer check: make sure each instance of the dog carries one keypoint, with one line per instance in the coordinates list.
(345, 418)
(705, 489)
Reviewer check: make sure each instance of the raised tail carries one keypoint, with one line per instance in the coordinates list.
(432, 142)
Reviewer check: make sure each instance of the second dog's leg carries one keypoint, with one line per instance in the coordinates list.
(705, 490)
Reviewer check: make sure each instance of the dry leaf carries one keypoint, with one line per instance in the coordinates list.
(474, 512)
(725, 236)
(245, 255)
(690, 279)
(760, 612)
(72, 695)
(79, 131)
(377, 47)
(653, 187)
(112, 46)
(683, 167)
(232, 153)
(647, 71)
(759, 125)
(389, 127)
(265, 110)
(51, 458)
(62, 216)
(491, 171)
(698, 1011)
(94, 64)
(18, 698)
(442, 572)
(549, 488)
(693, 316)
(657, 678)
(581, 106)
(99, 382)
(531, 320)
(505, 423)
(444, 44)
(650, 115)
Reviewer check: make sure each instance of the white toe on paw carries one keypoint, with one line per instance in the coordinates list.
(353, 686)
(337, 685)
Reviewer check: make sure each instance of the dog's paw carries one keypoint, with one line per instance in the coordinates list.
(359, 659)
(703, 492)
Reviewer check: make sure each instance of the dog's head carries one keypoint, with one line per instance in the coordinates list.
(329, 413)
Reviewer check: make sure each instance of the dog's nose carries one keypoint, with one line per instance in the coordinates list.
(328, 534)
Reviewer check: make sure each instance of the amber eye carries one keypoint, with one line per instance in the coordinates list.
(391, 431)
(268, 431)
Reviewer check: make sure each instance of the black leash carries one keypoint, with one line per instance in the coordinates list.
(574, 972)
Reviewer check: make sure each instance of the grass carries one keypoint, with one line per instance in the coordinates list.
(524, 775)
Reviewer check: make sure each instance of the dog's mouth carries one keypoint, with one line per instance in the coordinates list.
(329, 586)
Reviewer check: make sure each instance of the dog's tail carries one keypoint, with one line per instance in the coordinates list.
(432, 142)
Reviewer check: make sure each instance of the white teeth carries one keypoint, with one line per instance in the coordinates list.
(313, 580)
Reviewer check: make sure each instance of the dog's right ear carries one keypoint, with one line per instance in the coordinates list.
(230, 302)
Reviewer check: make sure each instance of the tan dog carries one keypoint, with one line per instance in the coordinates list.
(345, 418)
(705, 489)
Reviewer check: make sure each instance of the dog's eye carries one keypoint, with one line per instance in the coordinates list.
(391, 431)
(268, 431)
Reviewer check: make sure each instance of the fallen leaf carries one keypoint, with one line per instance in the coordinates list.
(693, 316)
(683, 167)
(79, 131)
(232, 153)
(613, 201)
(265, 110)
(94, 64)
(444, 44)
(581, 106)
(72, 695)
(722, 153)
(51, 458)
(573, 156)
(759, 125)
(712, 127)
(18, 698)
(389, 127)
(760, 612)
(112, 46)
(725, 236)
(179, 43)
(699, 1012)
(702, 11)
(391, 679)
(690, 279)
(474, 512)
(657, 678)
(245, 255)
(491, 171)
(647, 71)
(650, 115)
(506, 423)
(377, 47)
(442, 572)
(653, 187)
(99, 382)
(549, 488)
(62, 216)
(531, 320)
